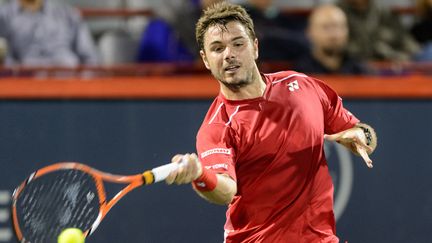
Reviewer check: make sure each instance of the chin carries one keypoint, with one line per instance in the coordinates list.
(237, 83)
(234, 81)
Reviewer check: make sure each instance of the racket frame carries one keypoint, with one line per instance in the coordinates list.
(132, 181)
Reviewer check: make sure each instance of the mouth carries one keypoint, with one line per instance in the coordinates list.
(231, 68)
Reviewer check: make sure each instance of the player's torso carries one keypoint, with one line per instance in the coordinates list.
(279, 139)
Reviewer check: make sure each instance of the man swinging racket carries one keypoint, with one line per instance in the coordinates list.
(260, 146)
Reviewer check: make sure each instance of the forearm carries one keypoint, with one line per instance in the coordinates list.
(223, 193)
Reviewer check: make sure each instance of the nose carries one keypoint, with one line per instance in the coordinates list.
(229, 53)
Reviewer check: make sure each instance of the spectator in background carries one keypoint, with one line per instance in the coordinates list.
(171, 37)
(184, 22)
(281, 36)
(44, 32)
(328, 34)
(422, 29)
(377, 34)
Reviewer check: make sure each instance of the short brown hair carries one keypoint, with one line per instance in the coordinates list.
(221, 14)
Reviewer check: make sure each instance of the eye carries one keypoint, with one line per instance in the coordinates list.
(238, 44)
(217, 49)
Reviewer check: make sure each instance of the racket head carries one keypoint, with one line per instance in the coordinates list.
(60, 196)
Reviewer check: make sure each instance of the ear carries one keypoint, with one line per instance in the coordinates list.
(204, 58)
(256, 49)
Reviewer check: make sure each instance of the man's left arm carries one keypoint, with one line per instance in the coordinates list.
(361, 140)
(343, 127)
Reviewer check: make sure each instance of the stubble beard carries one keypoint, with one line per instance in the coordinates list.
(237, 84)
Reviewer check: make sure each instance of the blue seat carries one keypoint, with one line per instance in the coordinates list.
(159, 43)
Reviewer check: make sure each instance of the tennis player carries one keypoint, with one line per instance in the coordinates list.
(260, 146)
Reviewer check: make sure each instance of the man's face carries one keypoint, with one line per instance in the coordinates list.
(230, 54)
(328, 31)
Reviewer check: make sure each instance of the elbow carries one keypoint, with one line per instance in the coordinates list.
(222, 201)
(227, 198)
(221, 197)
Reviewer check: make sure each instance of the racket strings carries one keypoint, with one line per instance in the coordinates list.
(57, 200)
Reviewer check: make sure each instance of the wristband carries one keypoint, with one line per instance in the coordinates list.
(206, 182)
(366, 132)
(371, 137)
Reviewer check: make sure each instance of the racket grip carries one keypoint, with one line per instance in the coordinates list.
(160, 173)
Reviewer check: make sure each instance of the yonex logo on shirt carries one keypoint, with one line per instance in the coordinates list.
(292, 86)
(217, 166)
(215, 151)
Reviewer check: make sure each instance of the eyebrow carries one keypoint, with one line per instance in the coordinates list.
(233, 39)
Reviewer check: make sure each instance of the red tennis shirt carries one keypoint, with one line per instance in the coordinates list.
(272, 146)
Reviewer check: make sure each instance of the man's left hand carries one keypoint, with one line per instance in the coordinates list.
(355, 140)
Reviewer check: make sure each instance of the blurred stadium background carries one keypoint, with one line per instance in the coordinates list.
(124, 117)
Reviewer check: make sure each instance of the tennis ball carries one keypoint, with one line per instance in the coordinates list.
(71, 235)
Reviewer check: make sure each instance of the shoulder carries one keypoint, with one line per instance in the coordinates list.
(215, 134)
(283, 78)
(296, 81)
(291, 86)
(283, 75)
(215, 123)
(220, 112)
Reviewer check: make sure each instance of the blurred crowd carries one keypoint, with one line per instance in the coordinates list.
(341, 36)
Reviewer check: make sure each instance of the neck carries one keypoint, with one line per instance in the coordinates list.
(332, 62)
(31, 5)
(252, 90)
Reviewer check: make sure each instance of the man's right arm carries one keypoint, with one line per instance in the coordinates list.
(220, 188)
(223, 193)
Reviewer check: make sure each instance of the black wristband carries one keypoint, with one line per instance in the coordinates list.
(367, 133)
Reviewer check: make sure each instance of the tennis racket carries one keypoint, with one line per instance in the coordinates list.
(70, 195)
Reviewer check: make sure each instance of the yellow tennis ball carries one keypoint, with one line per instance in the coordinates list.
(71, 235)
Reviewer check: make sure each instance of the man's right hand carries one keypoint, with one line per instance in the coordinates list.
(189, 170)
